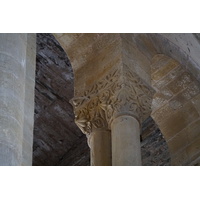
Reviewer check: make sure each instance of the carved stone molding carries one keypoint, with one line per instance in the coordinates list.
(120, 92)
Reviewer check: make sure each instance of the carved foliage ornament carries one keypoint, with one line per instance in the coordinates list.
(119, 92)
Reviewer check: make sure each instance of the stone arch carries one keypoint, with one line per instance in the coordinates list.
(183, 47)
(175, 108)
(79, 51)
(184, 50)
(57, 140)
(176, 102)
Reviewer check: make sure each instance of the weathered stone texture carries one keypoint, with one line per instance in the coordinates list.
(27, 148)
(12, 94)
(154, 148)
(183, 47)
(57, 140)
(175, 108)
(55, 132)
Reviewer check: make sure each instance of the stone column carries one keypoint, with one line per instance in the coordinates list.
(118, 102)
(126, 150)
(100, 147)
(12, 92)
(91, 119)
(27, 148)
(17, 81)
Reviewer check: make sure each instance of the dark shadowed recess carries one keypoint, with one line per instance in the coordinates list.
(57, 139)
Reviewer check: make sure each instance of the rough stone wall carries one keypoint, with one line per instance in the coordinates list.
(57, 140)
(55, 134)
(153, 145)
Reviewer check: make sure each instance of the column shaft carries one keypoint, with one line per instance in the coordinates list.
(27, 146)
(100, 148)
(126, 149)
(12, 92)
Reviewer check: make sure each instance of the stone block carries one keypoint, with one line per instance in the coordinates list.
(180, 159)
(145, 45)
(193, 130)
(67, 39)
(186, 44)
(164, 70)
(28, 132)
(160, 61)
(9, 156)
(196, 102)
(137, 68)
(10, 65)
(81, 45)
(193, 150)
(165, 46)
(11, 106)
(101, 64)
(31, 56)
(162, 83)
(14, 87)
(132, 53)
(14, 45)
(193, 68)
(58, 35)
(27, 159)
(178, 142)
(186, 139)
(89, 47)
(10, 130)
(178, 121)
(180, 83)
(159, 100)
(30, 92)
(183, 97)
(27, 152)
(162, 113)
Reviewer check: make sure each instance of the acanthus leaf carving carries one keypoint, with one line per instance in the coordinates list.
(120, 91)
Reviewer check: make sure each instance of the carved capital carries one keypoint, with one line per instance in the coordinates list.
(120, 92)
